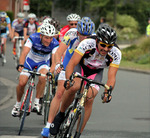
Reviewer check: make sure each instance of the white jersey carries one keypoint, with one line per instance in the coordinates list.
(93, 60)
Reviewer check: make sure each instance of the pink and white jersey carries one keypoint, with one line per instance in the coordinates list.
(17, 26)
(93, 60)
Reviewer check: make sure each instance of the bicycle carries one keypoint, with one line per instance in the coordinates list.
(76, 110)
(49, 94)
(18, 48)
(27, 100)
(2, 50)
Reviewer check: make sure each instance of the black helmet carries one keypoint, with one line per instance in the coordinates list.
(106, 34)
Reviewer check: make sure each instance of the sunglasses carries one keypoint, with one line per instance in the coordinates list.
(73, 24)
(31, 19)
(106, 45)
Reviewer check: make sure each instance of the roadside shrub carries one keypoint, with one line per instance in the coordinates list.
(138, 53)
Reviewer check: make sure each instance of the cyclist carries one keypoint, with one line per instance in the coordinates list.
(90, 58)
(30, 26)
(72, 19)
(36, 53)
(5, 27)
(72, 38)
(17, 29)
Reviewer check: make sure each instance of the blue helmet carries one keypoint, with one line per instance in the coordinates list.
(86, 26)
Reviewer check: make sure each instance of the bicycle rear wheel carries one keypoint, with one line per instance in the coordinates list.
(25, 109)
(78, 118)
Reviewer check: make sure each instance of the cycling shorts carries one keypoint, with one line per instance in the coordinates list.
(30, 64)
(61, 75)
(95, 76)
(4, 35)
(20, 33)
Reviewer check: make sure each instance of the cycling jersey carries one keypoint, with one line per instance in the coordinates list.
(17, 26)
(31, 28)
(3, 25)
(39, 54)
(63, 32)
(92, 61)
(71, 39)
(148, 30)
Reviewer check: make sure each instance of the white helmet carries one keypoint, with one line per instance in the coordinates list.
(3, 14)
(47, 20)
(47, 29)
(73, 17)
(20, 15)
(31, 15)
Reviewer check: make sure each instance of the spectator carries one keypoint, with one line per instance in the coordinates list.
(148, 28)
(102, 20)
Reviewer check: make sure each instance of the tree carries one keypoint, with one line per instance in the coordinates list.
(41, 7)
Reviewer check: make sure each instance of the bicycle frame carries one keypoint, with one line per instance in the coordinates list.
(27, 100)
(2, 49)
(49, 93)
(32, 85)
(18, 40)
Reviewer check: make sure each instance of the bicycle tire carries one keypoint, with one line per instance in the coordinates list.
(79, 114)
(63, 129)
(47, 101)
(26, 106)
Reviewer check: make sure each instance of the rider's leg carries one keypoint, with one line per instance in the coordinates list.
(14, 46)
(55, 104)
(41, 83)
(69, 94)
(88, 106)
(20, 87)
(19, 90)
(4, 42)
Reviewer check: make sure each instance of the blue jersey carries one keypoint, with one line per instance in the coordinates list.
(39, 53)
(71, 39)
(39, 48)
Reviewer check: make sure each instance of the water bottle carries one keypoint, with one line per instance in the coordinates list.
(70, 118)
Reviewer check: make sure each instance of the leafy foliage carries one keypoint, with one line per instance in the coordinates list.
(41, 7)
(139, 53)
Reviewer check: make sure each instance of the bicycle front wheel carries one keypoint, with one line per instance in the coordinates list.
(24, 110)
(47, 100)
(76, 124)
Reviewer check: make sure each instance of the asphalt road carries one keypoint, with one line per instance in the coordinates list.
(126, 116)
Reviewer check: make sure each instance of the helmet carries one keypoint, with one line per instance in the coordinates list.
(53, 22)
(85, 26)
(3, 14)
(20, 15)
(31, 15)
(47, 29)
(106, 34)
(47, 20)
(73, 17)
(56, 24)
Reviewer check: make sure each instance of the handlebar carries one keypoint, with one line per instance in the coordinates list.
(35, 73)
(18, 37)
(90, 81)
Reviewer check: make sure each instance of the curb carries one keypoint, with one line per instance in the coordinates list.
(135, 70)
